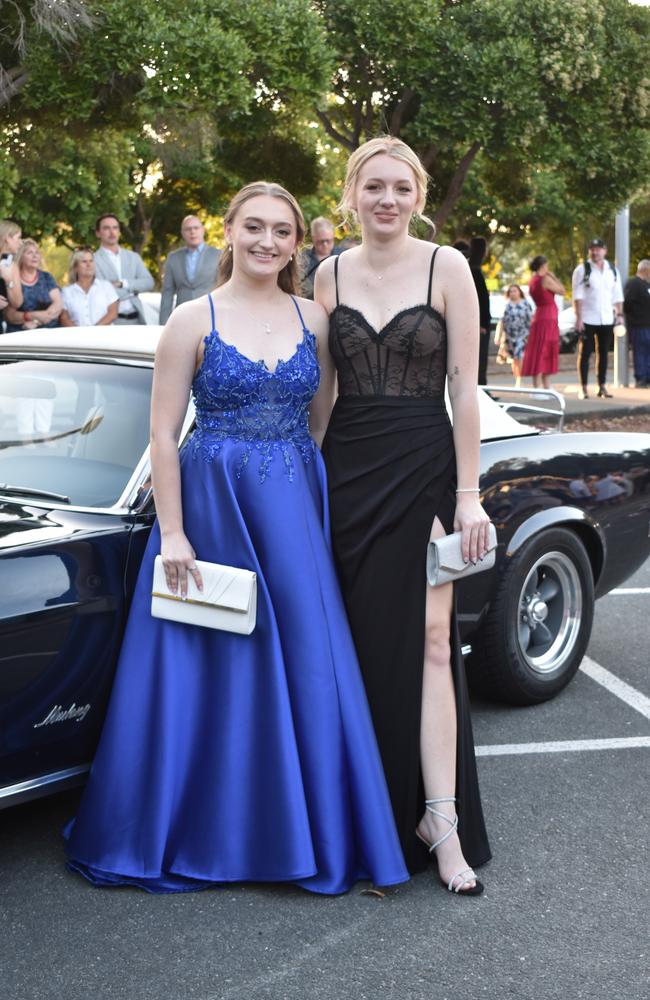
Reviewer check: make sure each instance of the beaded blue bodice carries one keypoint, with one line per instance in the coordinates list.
(241, 400)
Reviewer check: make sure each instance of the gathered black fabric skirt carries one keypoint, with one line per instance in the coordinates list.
(391, 471)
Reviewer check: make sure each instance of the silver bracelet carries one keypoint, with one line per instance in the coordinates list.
(473, 490)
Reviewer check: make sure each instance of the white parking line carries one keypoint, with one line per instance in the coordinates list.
(563, 746)
(635, 699)
(628, 590)
(616, 686)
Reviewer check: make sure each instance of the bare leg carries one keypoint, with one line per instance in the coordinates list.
(545, 382)
(535, 381)
(438, 726)
(516, 371)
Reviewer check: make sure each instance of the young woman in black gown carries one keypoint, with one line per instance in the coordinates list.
(403, 320)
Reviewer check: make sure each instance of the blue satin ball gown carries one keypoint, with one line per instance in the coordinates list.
(228, 758)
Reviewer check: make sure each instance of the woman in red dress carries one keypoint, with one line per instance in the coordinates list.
(543, 346)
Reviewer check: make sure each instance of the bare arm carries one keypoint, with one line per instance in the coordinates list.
(551, 284)
(461, 312)
(322, 403)
(324, 287)
(174, 368)
(11, 276)
(65, 318)
(53, 311)
(14, 315)
(109, 316)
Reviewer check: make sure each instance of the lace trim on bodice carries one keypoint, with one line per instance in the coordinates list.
(239, 399)
(406, 357)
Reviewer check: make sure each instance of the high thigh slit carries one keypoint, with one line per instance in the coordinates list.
(391, 469)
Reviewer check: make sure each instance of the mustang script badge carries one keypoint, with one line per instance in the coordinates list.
(60, 714)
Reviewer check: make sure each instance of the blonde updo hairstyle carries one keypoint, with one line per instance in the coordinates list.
(288, 278)
(396, 148)
(7, 229)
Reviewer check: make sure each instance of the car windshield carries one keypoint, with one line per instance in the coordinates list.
(72, 431)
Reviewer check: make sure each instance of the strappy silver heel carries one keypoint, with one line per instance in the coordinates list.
(465, 875)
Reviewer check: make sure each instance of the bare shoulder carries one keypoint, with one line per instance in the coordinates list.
(185, 328)
(326, 269)
(314, 315)
(451, 261)
(324, 281)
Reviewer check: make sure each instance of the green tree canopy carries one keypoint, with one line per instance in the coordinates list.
(560, 86)
(157, 99)
(528, 116)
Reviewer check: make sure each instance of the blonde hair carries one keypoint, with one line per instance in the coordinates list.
(73, 269)
(7, 229)
(22, 249)
(396, 148)
(288, 279)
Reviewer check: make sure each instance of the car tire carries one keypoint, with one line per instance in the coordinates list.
(538, 625)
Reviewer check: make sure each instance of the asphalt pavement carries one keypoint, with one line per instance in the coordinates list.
(564, 915)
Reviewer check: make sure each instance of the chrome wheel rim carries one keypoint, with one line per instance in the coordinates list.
(549, 613)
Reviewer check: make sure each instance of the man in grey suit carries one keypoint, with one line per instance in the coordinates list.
(125, 270)
(191, 271)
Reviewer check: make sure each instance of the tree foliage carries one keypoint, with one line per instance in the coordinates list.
(28, 22)
(558, 85)
(185, 101)
(531, 117)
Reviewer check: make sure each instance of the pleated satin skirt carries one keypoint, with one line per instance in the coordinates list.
(391, 470)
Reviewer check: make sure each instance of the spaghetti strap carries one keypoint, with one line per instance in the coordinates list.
(433, 259)
(336, 277)
(213, 328)
(305, 329)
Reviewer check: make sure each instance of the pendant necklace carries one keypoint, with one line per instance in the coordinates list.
(265, 326)
(379, 277)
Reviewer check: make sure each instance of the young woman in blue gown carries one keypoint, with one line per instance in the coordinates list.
(226, 757)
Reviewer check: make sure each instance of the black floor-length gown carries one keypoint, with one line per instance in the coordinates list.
(391, 467)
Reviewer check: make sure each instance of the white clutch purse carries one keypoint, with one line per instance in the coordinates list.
(228, 600)
(445, 559)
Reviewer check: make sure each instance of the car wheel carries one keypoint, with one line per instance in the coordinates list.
(539, 623)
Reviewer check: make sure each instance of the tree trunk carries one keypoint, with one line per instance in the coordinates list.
(455, 188)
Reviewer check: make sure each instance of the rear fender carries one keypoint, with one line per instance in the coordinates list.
(576, 520)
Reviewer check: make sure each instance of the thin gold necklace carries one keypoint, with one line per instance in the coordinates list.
(379, 277)
(265, 326)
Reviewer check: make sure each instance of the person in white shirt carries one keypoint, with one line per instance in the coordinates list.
(597, 295)
(125, 269)
(87, 299)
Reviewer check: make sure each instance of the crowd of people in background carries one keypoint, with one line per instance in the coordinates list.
(104, 285)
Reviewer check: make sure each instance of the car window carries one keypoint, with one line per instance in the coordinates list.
(75, 429)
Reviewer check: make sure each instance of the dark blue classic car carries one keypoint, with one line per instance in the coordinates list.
(572, 513)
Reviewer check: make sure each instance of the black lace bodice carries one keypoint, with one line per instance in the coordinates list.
(407, 357)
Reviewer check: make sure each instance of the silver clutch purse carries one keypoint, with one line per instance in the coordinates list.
(228, 600)
(445, 559)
